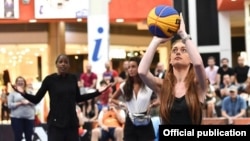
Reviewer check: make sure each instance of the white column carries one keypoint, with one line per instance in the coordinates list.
(247, 30)
(98, 35)
(224, 47)
(225, 36)
(192, 20)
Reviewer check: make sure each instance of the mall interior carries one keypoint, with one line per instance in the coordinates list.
(32, 38)
(30, 43)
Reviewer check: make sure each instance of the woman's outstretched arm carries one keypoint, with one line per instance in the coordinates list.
(148, 78)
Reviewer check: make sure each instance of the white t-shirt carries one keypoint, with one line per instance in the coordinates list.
(211, 73)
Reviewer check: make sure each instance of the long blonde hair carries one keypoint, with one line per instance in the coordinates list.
(167, 96)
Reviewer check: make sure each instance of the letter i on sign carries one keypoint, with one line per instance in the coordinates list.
(98, 42)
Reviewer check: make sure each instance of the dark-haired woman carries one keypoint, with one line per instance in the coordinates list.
(137, 97)
(64, 93)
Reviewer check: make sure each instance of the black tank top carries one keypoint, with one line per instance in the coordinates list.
(180, 113)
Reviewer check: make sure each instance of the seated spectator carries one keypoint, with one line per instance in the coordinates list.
(246, 95)
(88, 78)
(247, 88)
(110, 120)
(222, 92)
(111, 76)
(233, 106)
(224, 87)
(5, 111)
(154, 112)
(124, 73)
(81, 130)
(79, 115)
(90, 114)
(90, 110)
(210, 101)
(241, 73)
(104, 97)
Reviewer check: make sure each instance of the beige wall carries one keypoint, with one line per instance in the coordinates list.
(36, 43)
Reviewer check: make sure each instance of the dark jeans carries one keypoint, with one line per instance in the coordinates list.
(63, 134)
(20, 126)
(108, 134)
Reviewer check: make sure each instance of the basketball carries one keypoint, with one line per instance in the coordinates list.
(163, 21)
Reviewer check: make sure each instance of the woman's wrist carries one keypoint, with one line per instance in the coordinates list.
(187, 37)
(183, 34)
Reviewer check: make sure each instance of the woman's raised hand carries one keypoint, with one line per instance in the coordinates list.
(182, 30)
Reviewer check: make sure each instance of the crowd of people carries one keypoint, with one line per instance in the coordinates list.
(134, 101)
(228, 92)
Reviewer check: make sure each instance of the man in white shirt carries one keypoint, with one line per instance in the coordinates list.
(211, 70)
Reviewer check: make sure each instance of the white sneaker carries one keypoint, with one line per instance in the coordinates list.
(84, 132)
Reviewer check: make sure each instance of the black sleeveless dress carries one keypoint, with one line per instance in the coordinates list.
(180, 113)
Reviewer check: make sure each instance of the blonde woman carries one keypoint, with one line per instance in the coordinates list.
(22, 112)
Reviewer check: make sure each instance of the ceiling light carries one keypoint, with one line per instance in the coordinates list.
(119, 20)
(78, 52)
(2, 50)
(79, 20)
(14, 57)
(32, 20)
(41, 49)
(36, 54)
(29, 62)
(27, 50)
(10, 53)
